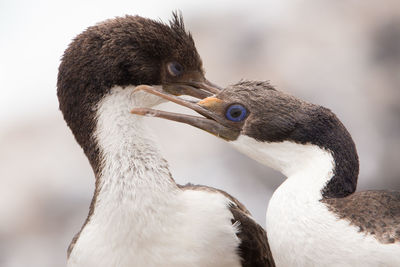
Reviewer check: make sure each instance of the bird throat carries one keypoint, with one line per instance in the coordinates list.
(133, 180)
(129, 158)
(295, 209)
(308, 165)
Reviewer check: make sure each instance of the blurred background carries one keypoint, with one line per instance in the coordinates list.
(344, 55)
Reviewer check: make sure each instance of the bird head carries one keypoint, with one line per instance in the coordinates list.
(121, 53)
(253, 109)
(133, 50)
(272, 127)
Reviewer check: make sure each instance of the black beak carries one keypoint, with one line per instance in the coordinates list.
(197, 89)
(212, 121)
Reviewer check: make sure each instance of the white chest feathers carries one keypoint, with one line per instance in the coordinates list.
(140, 217)
(193, 229)
(301, 230)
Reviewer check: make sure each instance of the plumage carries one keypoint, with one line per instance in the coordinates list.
(138, 215)
(375, 213)
(254, 248)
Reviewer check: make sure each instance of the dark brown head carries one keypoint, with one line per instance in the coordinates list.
(125, 51)
(252, 115)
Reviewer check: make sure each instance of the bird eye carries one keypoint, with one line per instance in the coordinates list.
(236, 113)
(174, 68)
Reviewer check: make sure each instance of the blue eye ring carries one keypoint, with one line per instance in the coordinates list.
(236, 113)
(174, 68)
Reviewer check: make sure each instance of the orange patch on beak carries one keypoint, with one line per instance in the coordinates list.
(209, 102)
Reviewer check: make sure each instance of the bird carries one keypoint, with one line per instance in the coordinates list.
(138, 215)
(315, 217)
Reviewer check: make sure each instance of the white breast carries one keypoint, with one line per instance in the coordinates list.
(193, 230)
(301, 230)
(141, 218)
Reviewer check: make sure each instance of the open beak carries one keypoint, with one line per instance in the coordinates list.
(198, 89)
(211, 108)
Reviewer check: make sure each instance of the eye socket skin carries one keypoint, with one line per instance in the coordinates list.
(174, 68)
(236, 113)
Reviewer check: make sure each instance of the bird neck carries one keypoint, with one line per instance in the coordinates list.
(308, 169)
(132, 171)
(303, 164)
(312, 169)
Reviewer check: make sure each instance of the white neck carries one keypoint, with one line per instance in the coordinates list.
(302, 231)
(134, 187)
(131, 163)
(304, 165)
(140, 216)
(295, 215)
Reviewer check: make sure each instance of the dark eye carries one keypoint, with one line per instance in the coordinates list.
(236, 113)
(174, 68)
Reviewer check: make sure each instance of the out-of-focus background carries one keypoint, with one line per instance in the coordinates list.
(344, 55)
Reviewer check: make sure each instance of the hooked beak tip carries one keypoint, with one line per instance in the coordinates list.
(198, 89)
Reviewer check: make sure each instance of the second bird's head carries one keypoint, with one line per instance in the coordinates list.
(271, 126)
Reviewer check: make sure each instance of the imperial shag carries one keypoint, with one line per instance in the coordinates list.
(138, 215)
(315, 218)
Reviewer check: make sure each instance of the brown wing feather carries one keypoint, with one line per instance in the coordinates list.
(374, 212)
